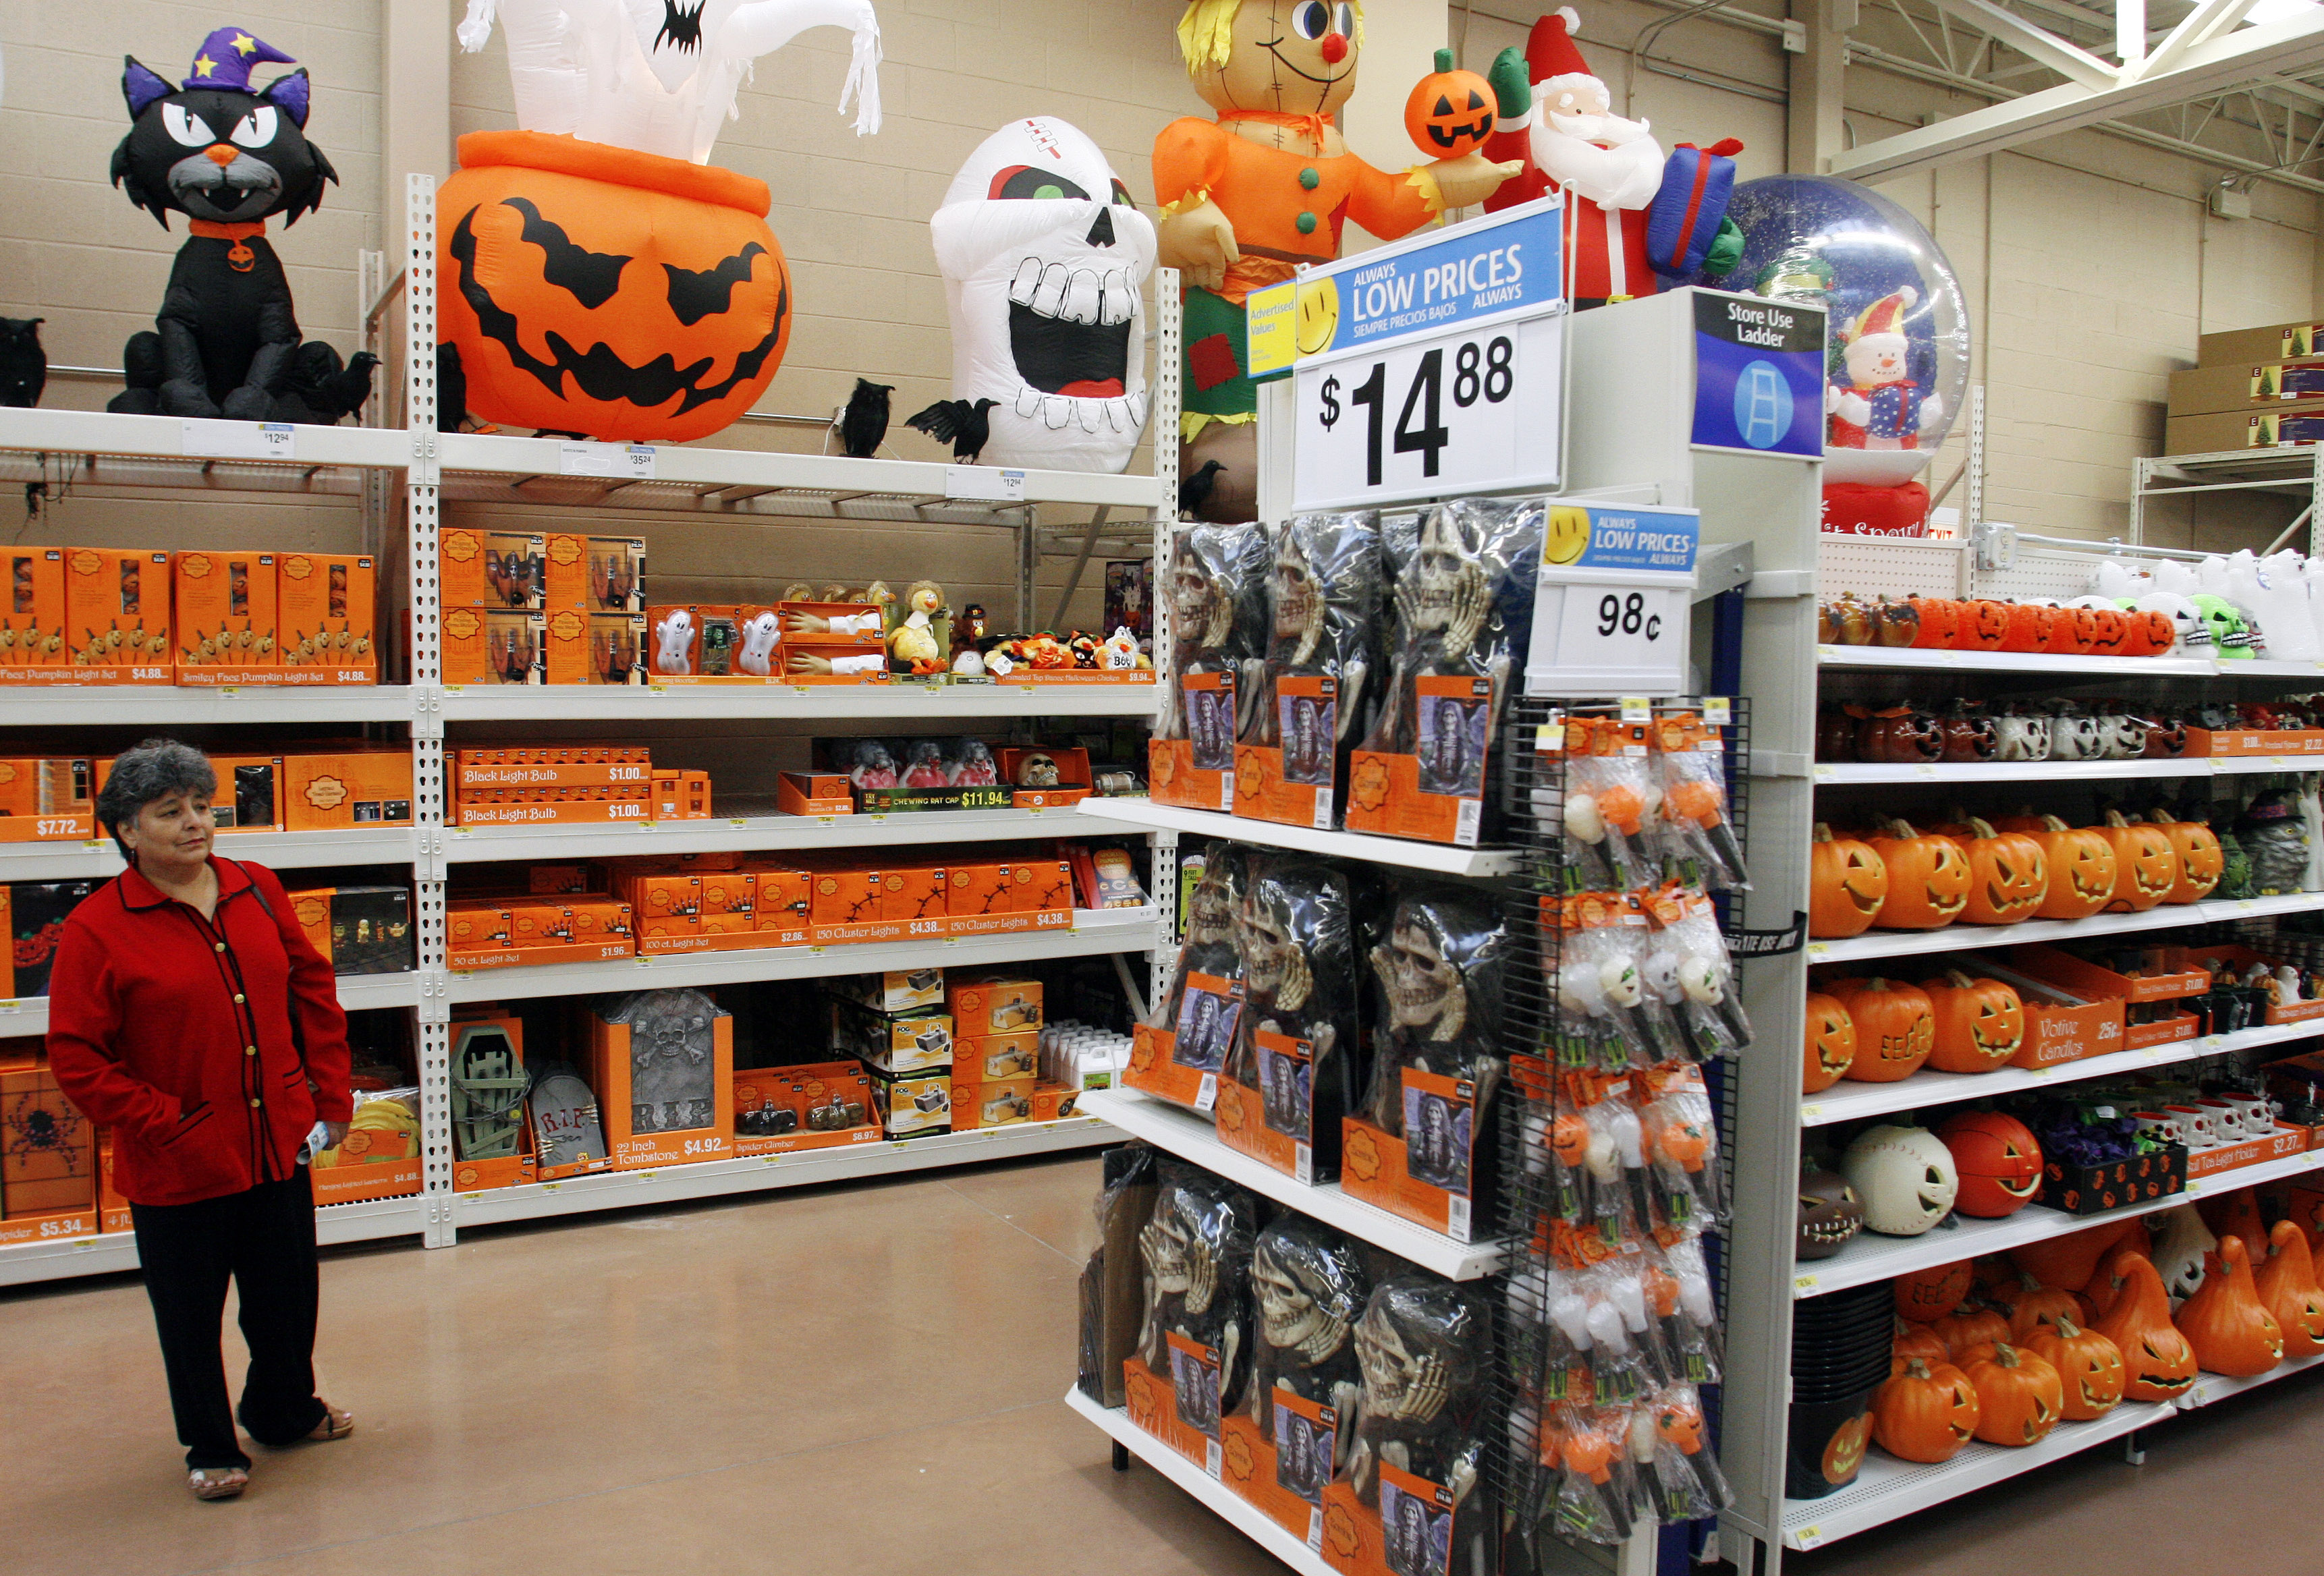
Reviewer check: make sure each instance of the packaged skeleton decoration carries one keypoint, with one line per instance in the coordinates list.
(1218, 655)
(1180, 1057)
(1196, 1251)
(1311, 1287)
(1604, 1019)
(1112, 1305)
(1425, 1349)
(1325, 592)
(1460, 614)
(1291, 1075)
(1437, 974)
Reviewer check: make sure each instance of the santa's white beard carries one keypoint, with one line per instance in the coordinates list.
(1572, 151)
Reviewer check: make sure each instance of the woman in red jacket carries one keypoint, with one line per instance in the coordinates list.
(190, 1015)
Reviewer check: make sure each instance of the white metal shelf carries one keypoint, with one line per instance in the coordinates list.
(1442, 858)
(1886, 1488)
(29, 1015)
(57, 432)
(1894, 944)
(1095, 932)
(720, 834)
(99, 860)
(1193, 1137)
(109, 1252)
(139, 704)
(1847, 1101)
(1232, 1508)
(591, 703)
(1874, 1257)
(1908, 658)
(1851, 774)
(2211, 1389)
(621, 1190)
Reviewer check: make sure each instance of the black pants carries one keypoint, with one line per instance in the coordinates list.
(264, 1239)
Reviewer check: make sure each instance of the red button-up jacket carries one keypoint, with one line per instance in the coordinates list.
(176, 1033)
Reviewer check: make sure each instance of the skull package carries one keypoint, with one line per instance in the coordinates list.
(1045, 259)
(1325, 588)
(1438, 973)
(1311, 1287)
(1218, 651)
(1291, 1075)
(1196, 1251)
(1462, 613)
(662, 1063)
(1180, 1056)
(1425, 1346)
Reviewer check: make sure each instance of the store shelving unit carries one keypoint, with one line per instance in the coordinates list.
(1438, 858)
(1783, 667)
(2290, 471)
(95, 448)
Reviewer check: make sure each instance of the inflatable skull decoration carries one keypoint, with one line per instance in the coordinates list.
(1044, 260)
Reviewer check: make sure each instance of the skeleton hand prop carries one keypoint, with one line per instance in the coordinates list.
(1203, 1277)
(809, 662)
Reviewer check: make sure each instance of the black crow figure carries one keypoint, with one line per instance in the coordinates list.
(228, 156)
(24, 365)
(865, 422)
(1195, 489)
(962, 423)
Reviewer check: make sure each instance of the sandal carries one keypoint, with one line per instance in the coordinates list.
(337, 1424)
(217, 1483)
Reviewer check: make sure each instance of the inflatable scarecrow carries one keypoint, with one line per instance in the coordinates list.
(229, 156)
(598, 276)
(1249, 196)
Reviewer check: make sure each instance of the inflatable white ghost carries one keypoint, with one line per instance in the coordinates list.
(1044, 260)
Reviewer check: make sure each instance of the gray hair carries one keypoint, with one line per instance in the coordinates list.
(156, 770)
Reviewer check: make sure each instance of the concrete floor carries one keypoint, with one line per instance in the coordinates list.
(863, 1378)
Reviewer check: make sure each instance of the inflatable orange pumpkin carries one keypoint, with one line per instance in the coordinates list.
(1450, 113)
(591, 289)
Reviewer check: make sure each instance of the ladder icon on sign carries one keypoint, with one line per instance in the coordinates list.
(1763, 405)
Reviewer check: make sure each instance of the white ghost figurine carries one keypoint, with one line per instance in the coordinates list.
(1044, 260)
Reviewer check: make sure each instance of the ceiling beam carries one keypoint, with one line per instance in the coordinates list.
(2207, 22)
(2037, 44)
(2220, 64)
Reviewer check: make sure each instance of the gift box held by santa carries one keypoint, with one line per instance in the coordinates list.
(1634, 219)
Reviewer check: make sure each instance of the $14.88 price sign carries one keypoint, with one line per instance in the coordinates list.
(1472, 411)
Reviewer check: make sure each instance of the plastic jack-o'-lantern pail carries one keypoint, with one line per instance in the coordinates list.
(598, 290)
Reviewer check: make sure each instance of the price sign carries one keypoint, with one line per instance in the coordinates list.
(1463, 412)
(1425, 368)
(1611, 603)
(238, 441)
(628, 462)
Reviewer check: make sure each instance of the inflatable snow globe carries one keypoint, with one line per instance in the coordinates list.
(1896, 361)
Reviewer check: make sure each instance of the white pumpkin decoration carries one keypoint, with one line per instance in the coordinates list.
(1906, 1177)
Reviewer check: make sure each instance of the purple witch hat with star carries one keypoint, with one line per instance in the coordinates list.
(223, 61)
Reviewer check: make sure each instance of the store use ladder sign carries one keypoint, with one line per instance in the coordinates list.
(1430, 368)
(1758, 374)
(1612, 604)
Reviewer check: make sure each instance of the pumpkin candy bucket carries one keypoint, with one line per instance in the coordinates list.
(598, 290)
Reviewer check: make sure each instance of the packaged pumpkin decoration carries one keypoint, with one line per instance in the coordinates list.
(1293, 1070)
(1610, 822)
(1691, 976)
(1599, 1495)
(1681, 1137)
(1460, 616)
(1320, 683)
(1604, 1018)
(1694, 805)
(1219, 638)
(600, 276)
(1671, 1445)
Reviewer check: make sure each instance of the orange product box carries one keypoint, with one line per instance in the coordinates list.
(998, 1058)
(861, 624)
(58, 1227)
(1197, 772)
(117, 612)
(595, 574)
(979, 888)
(493, 646)
(2164, 981)
(659, 896)
(592, 648)
(1151, 1401)
(983, 1005)
(484, 769)
(539, 924)
(681, 796)
(358, 787)
(1181, 1064)
(652, 1109)
(112, 1209)
(782, 900)
(995, 1103)
(915, 892)
(844, 897)
(47, 799)
(729, 925)
(2284, 1142)
(1376, 1166)
(674, 646)
(1436, 795)
(312, 909)
(490, 569)
(327, 609)
(1048, 888)
(226, 610)
(599, 919)
(1248, 1465)
(829, 662)
(33, 612)
(559, 880)
(813, 793)
(2060, 1026)
(1054, 1102)
(376, 1160)
(48, 1162)
(500, 1170)
(1242, 1127)
(728, 892)
(477, 922)
(1291, 783)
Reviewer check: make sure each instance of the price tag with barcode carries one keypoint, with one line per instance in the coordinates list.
(1456, 1218)
(1211, 1461)
(1208, 1095)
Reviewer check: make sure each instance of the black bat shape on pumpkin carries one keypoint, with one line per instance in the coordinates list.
(696, 296)
(601, 374)
(590, 277)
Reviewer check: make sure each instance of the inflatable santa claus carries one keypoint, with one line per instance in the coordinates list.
(1634, 218)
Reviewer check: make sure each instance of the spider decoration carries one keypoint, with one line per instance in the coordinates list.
(1324, 590)
(43, 1127)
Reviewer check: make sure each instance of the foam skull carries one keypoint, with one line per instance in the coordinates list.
(1044, 260)
(1298, 598)
(1447, 589)
(1292, 1308)
(1400, 1385)
(1425, 990)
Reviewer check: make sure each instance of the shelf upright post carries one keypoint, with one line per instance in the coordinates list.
(1162, 434)
(423, 500)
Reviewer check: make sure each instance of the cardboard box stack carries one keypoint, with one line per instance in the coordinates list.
(2251, 388)
(49, 1166)
(521, 607)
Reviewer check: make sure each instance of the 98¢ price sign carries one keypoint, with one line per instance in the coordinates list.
(1613, 600)
(1465, 413)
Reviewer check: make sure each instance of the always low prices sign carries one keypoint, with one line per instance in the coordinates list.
(1425, 369)
(1612, 604)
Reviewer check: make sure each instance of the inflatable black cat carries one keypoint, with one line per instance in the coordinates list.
(226, 342)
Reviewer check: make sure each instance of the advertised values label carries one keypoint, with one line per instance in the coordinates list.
(1611, 604)
(1758, 374)
(1469, 411)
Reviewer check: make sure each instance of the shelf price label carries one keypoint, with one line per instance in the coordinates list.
(1611, 601)
(238, 441)
(627, 462)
